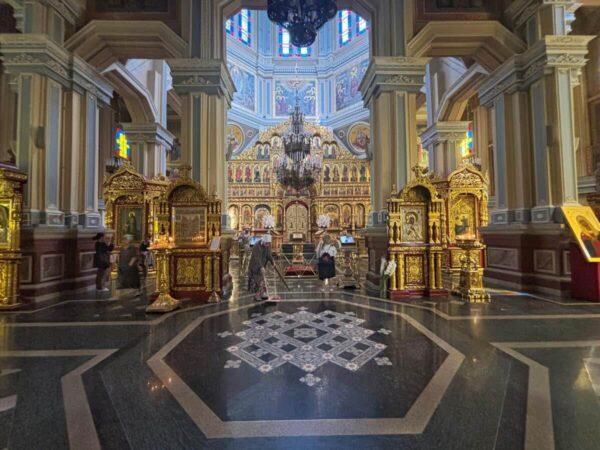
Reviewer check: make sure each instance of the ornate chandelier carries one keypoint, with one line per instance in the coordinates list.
(297, 168)
(302, 18)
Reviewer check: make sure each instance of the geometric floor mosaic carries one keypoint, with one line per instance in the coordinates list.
(307, 341)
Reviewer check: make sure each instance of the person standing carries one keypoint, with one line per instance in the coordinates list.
(145, 256)
(326, 252)
(261, 255)
(245, 249)
(129, 274)
(103, 248)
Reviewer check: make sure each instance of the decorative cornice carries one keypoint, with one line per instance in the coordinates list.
(103, 42)
(486, 41)
(548, 54)
(70, 10)
(209, 76)
(444, 132)
(520, 11)
(395, 73)
(148, 132)
(37, 53)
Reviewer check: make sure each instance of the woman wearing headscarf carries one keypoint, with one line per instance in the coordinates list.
(261, 255)
(129, 274)
(326, 252)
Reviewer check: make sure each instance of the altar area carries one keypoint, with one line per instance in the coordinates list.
(341, 190)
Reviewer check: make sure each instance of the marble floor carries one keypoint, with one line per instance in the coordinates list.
(335, 370)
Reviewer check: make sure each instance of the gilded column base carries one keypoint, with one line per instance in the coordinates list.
(163, 303)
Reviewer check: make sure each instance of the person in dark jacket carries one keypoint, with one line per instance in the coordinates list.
(129, 273)
(103, 249)
(261, 255)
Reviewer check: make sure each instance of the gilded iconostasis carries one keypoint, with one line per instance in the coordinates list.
(342, 190)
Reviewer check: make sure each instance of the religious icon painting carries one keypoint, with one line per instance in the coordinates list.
(462, 215)
(586, 229)
(413, 225)
(189, 225)
(4, 222)
(130, 221)
(359, 137)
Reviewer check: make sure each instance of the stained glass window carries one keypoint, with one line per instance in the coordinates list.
(245, 25)
(229, 26)
(240, 26)
(344, 27)
(286, 49)
(350, 25)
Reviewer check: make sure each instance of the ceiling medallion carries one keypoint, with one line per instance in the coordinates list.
(302, 18)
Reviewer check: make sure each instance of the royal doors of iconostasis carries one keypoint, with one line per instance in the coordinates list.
(297, 220)
(416, 236)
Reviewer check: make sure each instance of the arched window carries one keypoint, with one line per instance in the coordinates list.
(286, 49)
(245, 26)
(240, 26)
(350, 25)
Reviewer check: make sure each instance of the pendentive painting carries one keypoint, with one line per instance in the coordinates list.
(359, 137)
(245, 87)
(130, 222)
(189, 225)
(347, 84)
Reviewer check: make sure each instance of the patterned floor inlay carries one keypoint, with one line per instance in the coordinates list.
(306, 340)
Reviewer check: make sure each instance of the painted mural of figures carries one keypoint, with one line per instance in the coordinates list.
(336, 174)
(230, 174)
(238, 174)
(363, 174)
(266, 175)
(354, 176)
(256, 175)
(327, 175)
(248, 178)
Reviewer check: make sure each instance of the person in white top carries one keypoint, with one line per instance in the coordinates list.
(326, 252)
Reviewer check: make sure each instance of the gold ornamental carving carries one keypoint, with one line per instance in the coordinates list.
(416, 233)
(342, 190)
(11, 203)
(465, 195)
(471, 273)
(187, 223)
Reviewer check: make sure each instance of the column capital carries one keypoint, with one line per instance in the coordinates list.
(148, 132)
(393, 73)
(38, 54)
(208, 76)
(444, 132)
(548, 54)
